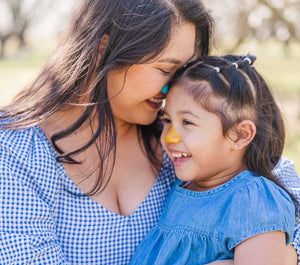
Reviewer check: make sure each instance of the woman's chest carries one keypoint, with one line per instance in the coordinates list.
(89, 233)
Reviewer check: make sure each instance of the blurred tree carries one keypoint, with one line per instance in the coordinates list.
(17, 17)
(259, 19)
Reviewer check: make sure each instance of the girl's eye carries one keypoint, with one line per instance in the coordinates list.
(164, 72)
(165, 120)
(186, 122)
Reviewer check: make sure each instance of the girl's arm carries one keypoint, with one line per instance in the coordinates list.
(263, 249)
(288, 177)
(222, 262)
(290, 255)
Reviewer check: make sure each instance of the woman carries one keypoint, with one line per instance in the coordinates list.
(83, 175)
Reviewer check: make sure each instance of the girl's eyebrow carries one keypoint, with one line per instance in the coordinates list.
(188, 112)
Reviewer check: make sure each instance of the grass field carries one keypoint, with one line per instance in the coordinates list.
(279, 67)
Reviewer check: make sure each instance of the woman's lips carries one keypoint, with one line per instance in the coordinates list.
(155, 103)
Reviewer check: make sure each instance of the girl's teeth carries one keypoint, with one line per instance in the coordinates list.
(177, 155)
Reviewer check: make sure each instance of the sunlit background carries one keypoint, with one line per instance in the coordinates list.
(269, 29)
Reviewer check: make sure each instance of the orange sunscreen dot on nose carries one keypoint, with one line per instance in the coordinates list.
(172, 136)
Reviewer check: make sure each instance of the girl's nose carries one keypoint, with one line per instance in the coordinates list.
(172, 137)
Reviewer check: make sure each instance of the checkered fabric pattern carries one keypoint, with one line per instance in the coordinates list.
(287, 176)
(41, 222)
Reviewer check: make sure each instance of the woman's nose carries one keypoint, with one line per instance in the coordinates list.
(172, 137)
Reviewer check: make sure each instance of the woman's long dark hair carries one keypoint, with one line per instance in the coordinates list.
(245, 95)
(135, 30)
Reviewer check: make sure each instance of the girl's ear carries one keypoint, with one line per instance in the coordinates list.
(243, 134)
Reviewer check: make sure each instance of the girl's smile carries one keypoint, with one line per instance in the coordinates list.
(178, 161)
(179, 158)
(194, 140)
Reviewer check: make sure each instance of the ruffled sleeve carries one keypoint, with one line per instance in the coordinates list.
(258, 206)
(27, 228)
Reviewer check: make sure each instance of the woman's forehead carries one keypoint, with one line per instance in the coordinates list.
(181, 46)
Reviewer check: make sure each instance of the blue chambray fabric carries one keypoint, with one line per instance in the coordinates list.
(201, 227)
(42, 223)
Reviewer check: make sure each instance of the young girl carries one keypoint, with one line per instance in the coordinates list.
(224, 134)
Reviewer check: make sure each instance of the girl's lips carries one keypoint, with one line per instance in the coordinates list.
(179, 158)
(179, 161)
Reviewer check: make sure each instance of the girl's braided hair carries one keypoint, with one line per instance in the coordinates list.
(244, 95)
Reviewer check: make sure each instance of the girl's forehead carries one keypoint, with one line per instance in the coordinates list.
(195, 94)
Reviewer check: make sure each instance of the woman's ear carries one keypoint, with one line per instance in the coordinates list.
(102, 47)
(243, 134)
(103, 44)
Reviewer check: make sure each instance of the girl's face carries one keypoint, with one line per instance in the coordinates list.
(134, 92)
(194, 141)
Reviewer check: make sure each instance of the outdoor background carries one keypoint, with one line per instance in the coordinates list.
(269, 29)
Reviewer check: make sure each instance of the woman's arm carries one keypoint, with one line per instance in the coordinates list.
(288, 177)
(27, 231)
(27, 227)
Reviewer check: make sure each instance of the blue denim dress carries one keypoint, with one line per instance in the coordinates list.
(201, 227)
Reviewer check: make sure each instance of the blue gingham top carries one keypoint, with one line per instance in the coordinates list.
(42, 223)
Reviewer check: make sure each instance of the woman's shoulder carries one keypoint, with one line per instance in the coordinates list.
(25, 144)
(28, 160)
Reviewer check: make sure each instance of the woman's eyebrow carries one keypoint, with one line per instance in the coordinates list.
(169, 60)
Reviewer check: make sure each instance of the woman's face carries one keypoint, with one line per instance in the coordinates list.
(134, 92)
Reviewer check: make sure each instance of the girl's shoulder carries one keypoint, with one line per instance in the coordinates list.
(257, 205)
(257, 192)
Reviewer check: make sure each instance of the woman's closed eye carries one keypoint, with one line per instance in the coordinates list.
(164, 72)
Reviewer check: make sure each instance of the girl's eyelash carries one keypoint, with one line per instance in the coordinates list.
(186, 122)
(165, 120)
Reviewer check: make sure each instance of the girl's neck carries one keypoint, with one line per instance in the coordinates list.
(215, 181)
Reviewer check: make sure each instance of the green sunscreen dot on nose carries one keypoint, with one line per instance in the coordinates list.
(165, 89)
